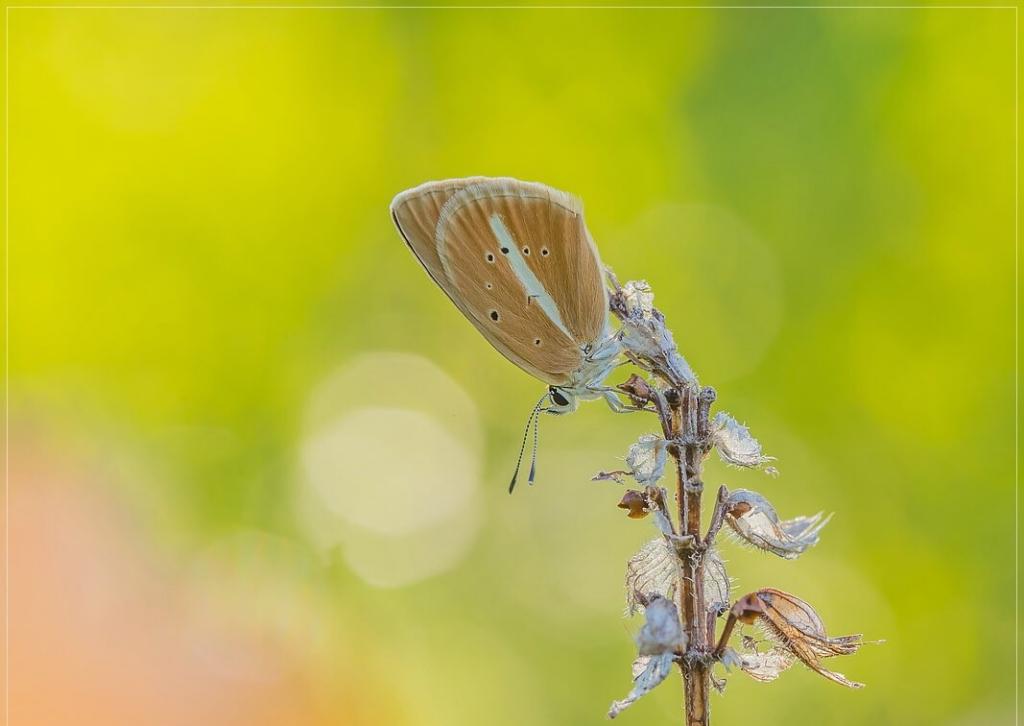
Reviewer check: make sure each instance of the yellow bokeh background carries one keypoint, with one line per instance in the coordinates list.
(258, 461)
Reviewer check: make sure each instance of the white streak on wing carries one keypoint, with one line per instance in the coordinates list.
(534, 287)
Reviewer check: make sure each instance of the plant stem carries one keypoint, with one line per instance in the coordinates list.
(688, 423)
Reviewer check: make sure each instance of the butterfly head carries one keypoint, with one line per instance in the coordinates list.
(562, 401)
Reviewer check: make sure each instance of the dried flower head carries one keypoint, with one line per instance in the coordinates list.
(717, 583)
(651, 572)
(754, 519)
(644, 335)
(662, 632)
(658, 643)
(735, 444)
(646, 459)
(762, 667)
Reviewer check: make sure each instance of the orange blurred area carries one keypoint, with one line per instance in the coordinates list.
(100, 627)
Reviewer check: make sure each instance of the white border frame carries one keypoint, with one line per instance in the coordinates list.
(6, 306)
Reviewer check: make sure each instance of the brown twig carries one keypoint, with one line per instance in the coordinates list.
(723, 639)
(717, 516)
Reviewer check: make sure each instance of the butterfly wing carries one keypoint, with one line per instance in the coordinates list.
(415, 213)
(517, 260)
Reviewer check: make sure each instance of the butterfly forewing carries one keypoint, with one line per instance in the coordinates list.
(415, 213)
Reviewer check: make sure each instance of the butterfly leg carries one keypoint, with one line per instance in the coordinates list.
(615, 403)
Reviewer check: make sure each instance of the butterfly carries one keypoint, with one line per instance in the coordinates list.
(516, 258)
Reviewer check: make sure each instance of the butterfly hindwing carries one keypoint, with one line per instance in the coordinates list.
(547, 242)
(517, 260)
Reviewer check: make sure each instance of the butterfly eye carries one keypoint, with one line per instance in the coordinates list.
(544, 251)
(494, 315)
(526, 251)
(488, 285)
(557, 397)
(536, 341)
(504, 250)
(490, 257)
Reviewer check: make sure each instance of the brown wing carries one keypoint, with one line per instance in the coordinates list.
(551, 239)
(450, 227)
(415, 213)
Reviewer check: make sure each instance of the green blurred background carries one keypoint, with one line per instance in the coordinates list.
(258, 462)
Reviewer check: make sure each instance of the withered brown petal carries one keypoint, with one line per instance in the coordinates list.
(748, 608)
(636, 503)
(796, 627)
(637, 389)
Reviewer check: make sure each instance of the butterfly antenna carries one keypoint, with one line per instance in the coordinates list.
(522, 449)
(533, 457)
